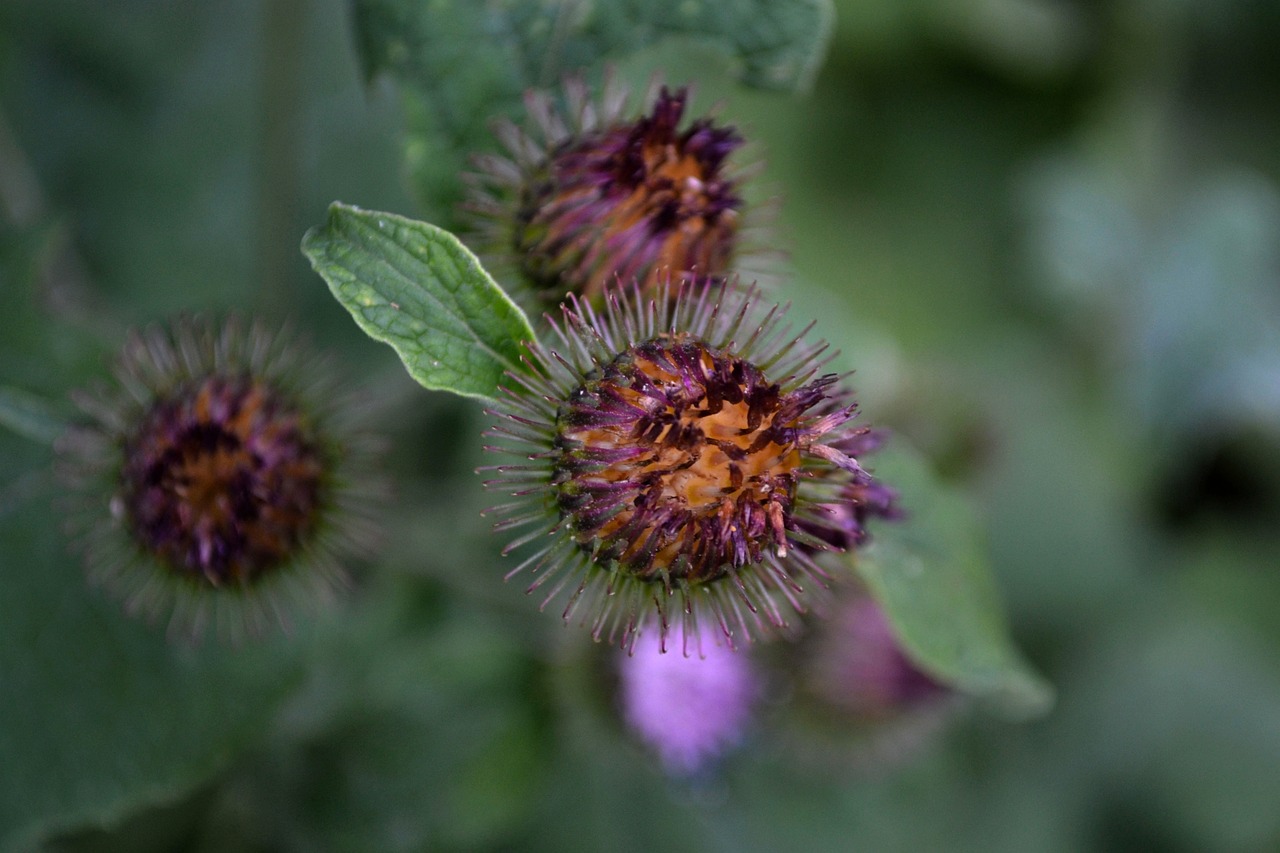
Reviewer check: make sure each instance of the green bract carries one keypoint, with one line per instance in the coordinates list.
(30, 416)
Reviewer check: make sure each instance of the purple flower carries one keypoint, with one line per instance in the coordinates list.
(217, 480)
(681, 456)
(222, 479)
(689, 708)
(858, 667)
(859, 500)
(600, 198)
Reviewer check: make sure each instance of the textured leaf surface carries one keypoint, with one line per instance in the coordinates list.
(930, 574)
(492, 52)
(99, 714)
(416, 287)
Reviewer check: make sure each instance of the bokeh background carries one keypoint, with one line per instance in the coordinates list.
(1047, 232)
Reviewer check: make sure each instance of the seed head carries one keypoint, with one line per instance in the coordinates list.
(683, 454)
(215, 481)
(601, 198)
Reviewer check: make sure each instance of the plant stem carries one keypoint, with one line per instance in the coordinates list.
(64, 282)
(283, 37)
(30, 416)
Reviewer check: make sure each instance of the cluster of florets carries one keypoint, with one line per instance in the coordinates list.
(223, 479)
(234, 481)
(861, 499)
(683, 460)
(599, 199)
(690, 709)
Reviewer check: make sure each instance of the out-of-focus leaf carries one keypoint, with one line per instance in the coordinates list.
(45, 343)
(930, 574)
(1207, 740)
(1030, 38)
(99, 714)
(416, 731)
(462, 63)
(415, 287)
(1181, 294)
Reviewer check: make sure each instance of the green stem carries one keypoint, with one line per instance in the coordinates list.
(31, 416)
(283, 52)
(64, 281)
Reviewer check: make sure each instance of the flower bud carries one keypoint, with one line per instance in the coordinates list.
(858, 667)
(856, 701)
(600, 198)
(216, 481)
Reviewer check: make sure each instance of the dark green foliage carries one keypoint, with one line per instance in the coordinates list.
(490, 53)
(1044, 236)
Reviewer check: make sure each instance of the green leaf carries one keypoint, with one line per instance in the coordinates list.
(462, 63)
(30, 416)
(930, 574)
(402, 700)
(99, 714)
(416, 287)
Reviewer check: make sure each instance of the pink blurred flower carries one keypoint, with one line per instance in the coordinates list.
(689, 709)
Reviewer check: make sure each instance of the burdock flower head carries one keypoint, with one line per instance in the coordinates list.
(216, 481)
(599, 198)
(683, 458)
(860, 498)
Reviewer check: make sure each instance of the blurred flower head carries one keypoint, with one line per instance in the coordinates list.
(589, 197)
(217, 480)
(857, 701)
(681, 456)
(857, 665)
(691, 707)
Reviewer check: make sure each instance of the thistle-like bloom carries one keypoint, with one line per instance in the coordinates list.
(683, 456)
(860, 499)
(599, 199)
(690, 709)
(216, 480)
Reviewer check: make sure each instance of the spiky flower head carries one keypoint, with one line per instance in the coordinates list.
(216, 481)
(688, 708)
(860, 499)
(589, 197)
(682, 458)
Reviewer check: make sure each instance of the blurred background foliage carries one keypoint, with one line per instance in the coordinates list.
(1047, 232)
